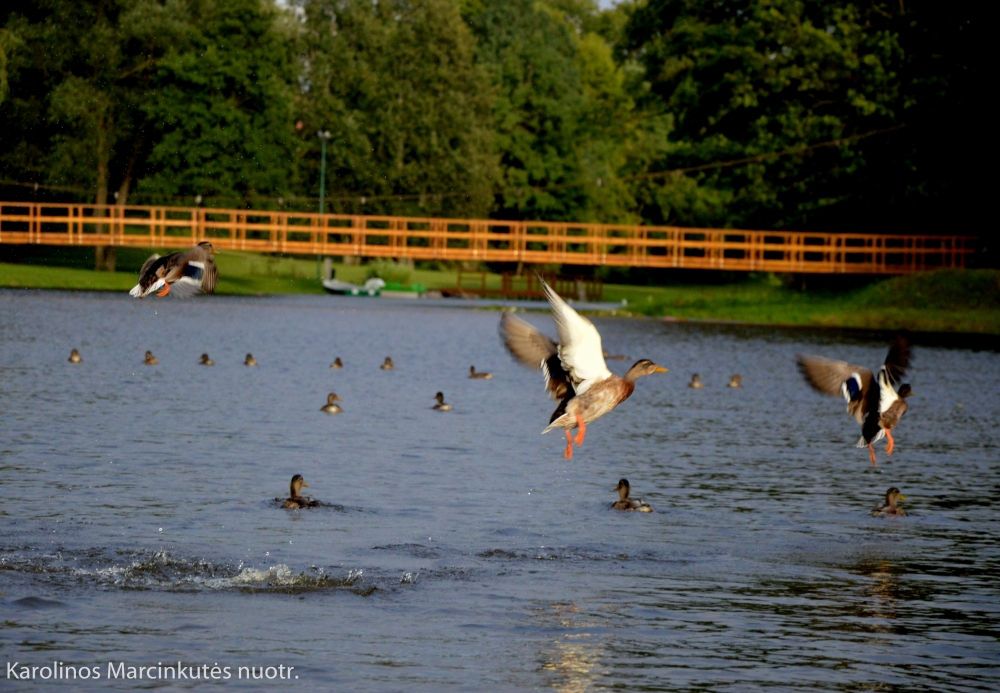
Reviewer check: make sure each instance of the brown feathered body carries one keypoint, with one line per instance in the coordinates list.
(184, 274)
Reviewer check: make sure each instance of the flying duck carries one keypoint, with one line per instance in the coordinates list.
(575, 372)
(185, 273)
(441, 406)
(205, 361)
(296, 499)
(150, 360)
(890, 507)
(388, 365)
(250, 360)
(479, 376)
(696, 382)
(74, 357)
(872, 401)
(337, 363)
(330, 407)
(626, 503)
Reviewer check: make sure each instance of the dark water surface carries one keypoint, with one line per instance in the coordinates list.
(462, 551)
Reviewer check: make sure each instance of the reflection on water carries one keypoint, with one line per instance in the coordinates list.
(137, 518)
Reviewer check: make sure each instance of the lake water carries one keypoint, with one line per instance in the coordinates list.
(461, 551)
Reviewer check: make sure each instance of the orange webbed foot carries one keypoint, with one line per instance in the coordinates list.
(583, 430)
(871, 451)
(164, 291)
(891, 445)
(569, 446)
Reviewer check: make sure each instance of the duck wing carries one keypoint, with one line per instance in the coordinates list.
(151, 275)
(580, 348)
(534, 349)
(832, 377)
(897, 361)
(193, 271)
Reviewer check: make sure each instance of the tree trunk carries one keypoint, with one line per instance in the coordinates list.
(104, 255)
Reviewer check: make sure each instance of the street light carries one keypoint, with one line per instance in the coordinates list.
(323, 135)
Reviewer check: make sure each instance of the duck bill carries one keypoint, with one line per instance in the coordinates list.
(305, 485)
(902, 497)
(661, 369)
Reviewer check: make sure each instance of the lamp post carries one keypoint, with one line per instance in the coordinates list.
(323, 135)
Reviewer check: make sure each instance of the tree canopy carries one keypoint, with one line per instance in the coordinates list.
(804, 114)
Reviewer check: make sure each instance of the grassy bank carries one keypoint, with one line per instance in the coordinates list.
(942, 301)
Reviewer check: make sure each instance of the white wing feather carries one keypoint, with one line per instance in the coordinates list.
(580, 349)
(185, 287)
(886, 392)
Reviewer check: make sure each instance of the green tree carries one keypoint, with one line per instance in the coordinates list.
(409, 112)
(221, 114)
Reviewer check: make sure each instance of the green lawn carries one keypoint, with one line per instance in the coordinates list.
(945, 301)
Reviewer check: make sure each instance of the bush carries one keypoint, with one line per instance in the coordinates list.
(390, 272)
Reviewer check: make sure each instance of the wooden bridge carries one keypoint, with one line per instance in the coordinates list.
(537, 242)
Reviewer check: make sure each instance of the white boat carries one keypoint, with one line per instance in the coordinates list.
(372, 287)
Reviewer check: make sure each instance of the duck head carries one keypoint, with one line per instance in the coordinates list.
(623, 489)
(149, 355)
(331, 398)
(439, 397)
(643, 367)
(893, 495)
(905, 391)
(204, 359)
(206, 246)
(297, 485)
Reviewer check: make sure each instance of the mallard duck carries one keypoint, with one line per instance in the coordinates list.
(479, 376)
(187, 273)
(388, 365)
(696, 382)
(74, 357)
(205, 361)
(626, 503)
(441, 406)
(575, 372)
(337, 363)
(330, 407)
(250, 360)
(890, 507)
(150, 360)
(872, 401)
(296, 499)
(735, 381)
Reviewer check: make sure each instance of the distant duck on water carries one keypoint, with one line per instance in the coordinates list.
(74, 357)
(150, 360)
(626, 503)
(330, 407)
(736, 381)
(205, 361)
(890, 507)
(296, 500)
(337, 363)
(250, 360)
(441, 406)
(388, 365)
(696, 382)
(479, 376)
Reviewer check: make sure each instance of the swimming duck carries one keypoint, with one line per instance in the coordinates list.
(696, 382)
(575, 372)
(186, 273)
(205, 361)
(626, 503)
(872, 401)
(479, 376)
(735, 381)
(388, 365)
(330, 407)
(441, 406)
(337, 363)
(297, 500)
(250, 360)
(150, 360)
(74, 357)
(616, 357)
(890, 507)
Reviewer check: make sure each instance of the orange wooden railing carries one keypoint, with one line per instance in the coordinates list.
(480, 239)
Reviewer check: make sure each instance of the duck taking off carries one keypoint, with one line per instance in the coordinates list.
(626, 503)
(296, 499)
(184, 273)
(889, 507)
(479, 376)
(575, 372)
(872, 401)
